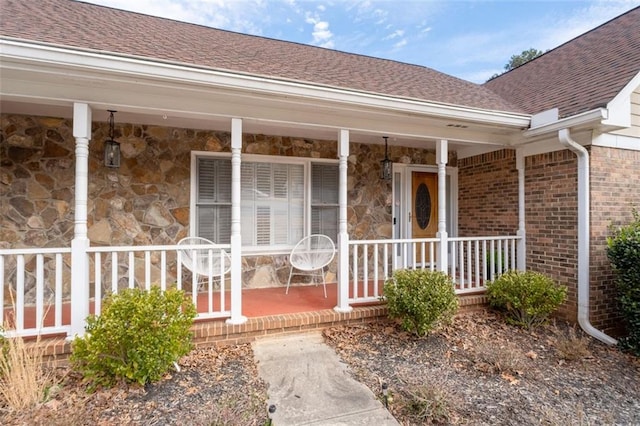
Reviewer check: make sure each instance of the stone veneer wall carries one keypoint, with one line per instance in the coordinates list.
(615, 191)
(146, 200)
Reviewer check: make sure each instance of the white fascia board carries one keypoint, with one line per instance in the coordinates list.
(617, 141)
(620, 106)
(594, 117)
(177, 73)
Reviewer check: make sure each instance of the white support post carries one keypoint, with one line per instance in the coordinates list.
(442, 154)
(80, 242)
(343, 235)
(522, 242)
(236, 237)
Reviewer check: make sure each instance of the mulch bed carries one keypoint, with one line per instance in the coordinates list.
(476, 371)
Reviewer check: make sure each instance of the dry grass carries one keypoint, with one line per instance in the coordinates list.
(427, 401)
(24, 379)
(571, 347)
(493, 357)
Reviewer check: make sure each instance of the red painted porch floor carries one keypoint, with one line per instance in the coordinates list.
(258, 302)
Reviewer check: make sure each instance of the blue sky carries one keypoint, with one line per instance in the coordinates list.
(470, 39)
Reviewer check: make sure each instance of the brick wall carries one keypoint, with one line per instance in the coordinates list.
(615, 189)
(488, 194)
(551, 187)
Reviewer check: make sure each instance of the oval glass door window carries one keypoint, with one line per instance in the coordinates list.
(423, 206)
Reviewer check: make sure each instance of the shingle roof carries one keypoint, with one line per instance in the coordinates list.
(87, 26)
(580, 75)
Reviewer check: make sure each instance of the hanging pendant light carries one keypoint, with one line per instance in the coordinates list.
(111, 147)
(385, 165)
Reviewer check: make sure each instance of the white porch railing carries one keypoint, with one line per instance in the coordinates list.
(144, 266)
(35, 283)
(26, 268)
(472, 262)
(35, 293)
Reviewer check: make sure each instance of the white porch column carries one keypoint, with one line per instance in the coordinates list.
(442, 155)
(343, 236)
(236, 237)
(522, 242)
(80, 242)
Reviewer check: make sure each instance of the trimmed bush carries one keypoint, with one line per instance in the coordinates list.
(138, 336)
(421, 299)
(527, 297)
(623, 250)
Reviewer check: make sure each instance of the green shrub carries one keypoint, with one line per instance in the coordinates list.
(138, 336)
(623, 250)
(528, 297)
(421, 299)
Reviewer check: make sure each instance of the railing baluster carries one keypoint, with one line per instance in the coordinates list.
(375, 270)
(385, 266)
(163, 270)
(492, 262)
(365, 271)
(147, 270)
(461, 265)
(355, 272)
(19, 308)
(476, 261)
(500, 257)
(39, 291)
(132, 270)
(114, 272)
(97, 283)
(469, 267)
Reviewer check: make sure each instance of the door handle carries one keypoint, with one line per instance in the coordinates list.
(409, 217)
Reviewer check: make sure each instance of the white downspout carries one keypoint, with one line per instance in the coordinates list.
(583, 237)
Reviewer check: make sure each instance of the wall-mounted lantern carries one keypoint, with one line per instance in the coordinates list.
(111, 147)
(385, 165)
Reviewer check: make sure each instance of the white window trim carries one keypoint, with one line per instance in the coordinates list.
(257, 158)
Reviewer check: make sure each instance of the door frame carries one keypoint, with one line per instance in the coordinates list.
(401, 200)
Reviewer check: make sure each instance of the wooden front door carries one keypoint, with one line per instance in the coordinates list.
(424, 210)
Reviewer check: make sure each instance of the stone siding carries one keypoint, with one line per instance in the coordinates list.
(146, 200)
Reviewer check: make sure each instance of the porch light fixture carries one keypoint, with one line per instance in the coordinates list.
(111, 147)
(385, 165)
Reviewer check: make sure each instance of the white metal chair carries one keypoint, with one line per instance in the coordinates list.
(311, 255)
(204, 258)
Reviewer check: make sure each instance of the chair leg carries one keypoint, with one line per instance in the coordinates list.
(289, 282)
(324, 283)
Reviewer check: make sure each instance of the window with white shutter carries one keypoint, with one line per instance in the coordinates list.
(273, 204)
(324, 200)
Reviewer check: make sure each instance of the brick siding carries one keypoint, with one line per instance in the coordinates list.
(551, 194)
(488, 194)
(615, 189)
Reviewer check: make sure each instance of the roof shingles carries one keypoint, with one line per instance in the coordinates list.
(87, 26)
(582, 74)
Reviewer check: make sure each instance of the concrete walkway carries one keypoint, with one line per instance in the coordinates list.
(309, 385)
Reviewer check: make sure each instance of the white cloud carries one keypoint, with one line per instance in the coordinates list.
(395, 34)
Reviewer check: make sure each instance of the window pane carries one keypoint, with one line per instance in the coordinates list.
(324, 220)
(213, 223)
(324, 200)
(324, 181)
(214, 181)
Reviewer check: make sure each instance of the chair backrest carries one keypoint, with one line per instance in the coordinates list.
(203, 257)
(313, 252)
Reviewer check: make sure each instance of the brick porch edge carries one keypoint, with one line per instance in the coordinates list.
(219, 333)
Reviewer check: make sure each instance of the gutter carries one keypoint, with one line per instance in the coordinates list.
(584, 238)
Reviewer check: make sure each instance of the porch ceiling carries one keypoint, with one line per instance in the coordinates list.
(43, 81)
